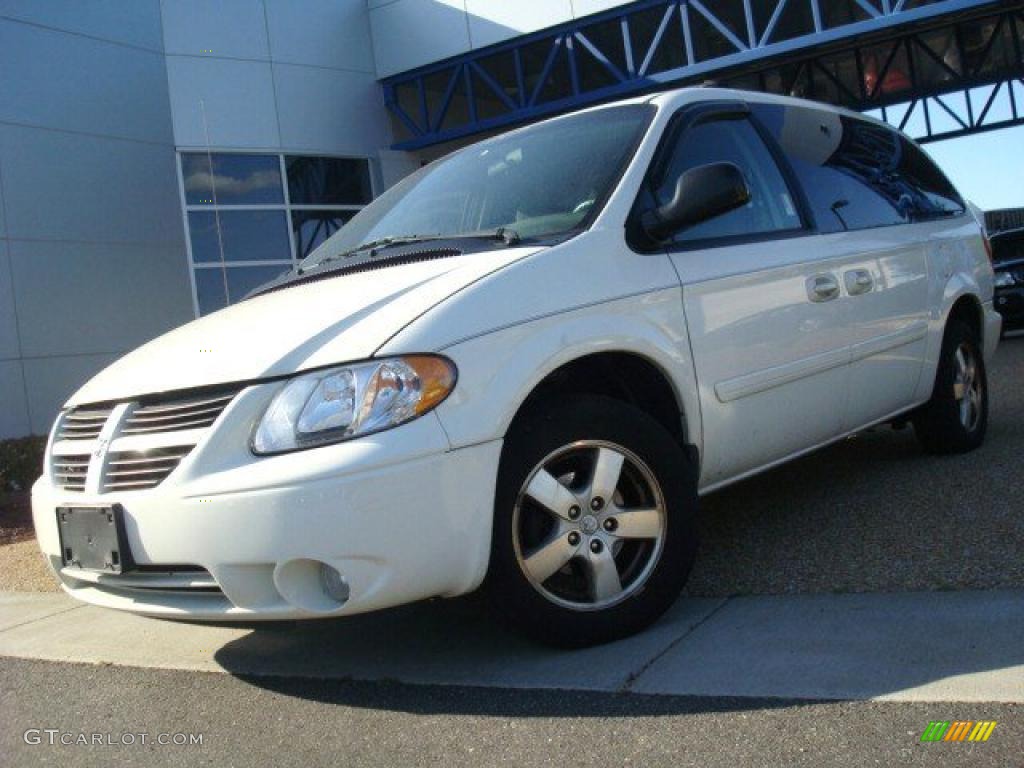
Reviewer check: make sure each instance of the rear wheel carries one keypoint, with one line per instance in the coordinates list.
(956, 418)
(593, 535)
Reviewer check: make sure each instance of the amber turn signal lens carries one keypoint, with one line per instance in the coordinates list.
(437, 379)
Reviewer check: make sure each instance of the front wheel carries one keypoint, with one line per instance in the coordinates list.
(593, 531)
(956, 418)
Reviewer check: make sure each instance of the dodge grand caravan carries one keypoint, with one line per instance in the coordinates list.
(521, 366)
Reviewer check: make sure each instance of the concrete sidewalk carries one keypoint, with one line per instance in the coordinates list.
(933, 646)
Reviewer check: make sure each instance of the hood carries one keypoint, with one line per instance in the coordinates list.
(308, 325)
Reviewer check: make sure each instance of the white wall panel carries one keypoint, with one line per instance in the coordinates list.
(238, 98)
(330, 110)
(8, 323)
(395, 166)
(70, 186)
(14, 421)
(79, 84)
(410, 33)
(136, 22)
(111, 298)
(50, 381)
(587, 7)
(491, 22)
(231, 28)
(323, 33)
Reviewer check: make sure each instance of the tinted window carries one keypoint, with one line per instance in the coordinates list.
(771, 208)
(313, 226)
(238, 282)
(241, 235)
(328, 180)
(230, 179)
(848, 168)
(933, 195)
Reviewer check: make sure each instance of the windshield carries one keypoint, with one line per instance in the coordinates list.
(540, 181)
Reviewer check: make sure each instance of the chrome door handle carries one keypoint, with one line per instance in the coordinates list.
(822, 288)
(859, 281)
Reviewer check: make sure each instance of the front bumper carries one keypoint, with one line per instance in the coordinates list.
(400, 515)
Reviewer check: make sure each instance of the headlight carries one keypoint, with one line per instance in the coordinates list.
(1005, 279)
(336, 404)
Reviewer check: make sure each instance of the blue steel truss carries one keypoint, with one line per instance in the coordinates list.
(870, 55)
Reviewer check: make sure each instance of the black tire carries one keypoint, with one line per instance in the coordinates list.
(939, 424)
(548, 430)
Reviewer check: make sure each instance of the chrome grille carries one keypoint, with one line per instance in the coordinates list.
(69, 471)
(83, 423)
(138, 470)
(144, 440)
(194, 413)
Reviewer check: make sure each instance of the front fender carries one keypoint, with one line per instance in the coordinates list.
(499, 370)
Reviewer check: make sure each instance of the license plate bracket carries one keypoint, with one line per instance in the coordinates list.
(92, 538)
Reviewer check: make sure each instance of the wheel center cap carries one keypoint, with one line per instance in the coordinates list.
(588, 524)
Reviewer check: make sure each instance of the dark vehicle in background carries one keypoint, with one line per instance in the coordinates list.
(1008, 262)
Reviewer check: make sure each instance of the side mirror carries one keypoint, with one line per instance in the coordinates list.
(702, 193)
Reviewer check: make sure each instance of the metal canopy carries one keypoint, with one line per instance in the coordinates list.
(938, 68)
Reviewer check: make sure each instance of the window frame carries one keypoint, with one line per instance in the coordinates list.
(681, 121)
(286, 207)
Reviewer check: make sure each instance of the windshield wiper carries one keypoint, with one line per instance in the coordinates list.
(371, 246)
(506, 235)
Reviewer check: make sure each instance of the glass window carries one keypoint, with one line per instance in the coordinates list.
(312, 227)
(236, 211)
(771, 207)
(849, 168)
(545, 180)
(933, 194)
(232, 179)
(243, 235)
(238, 282)
(328, 181)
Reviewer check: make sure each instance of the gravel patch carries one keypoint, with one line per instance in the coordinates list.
(24, 569)
(874, 513)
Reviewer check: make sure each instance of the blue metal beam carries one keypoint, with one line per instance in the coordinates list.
(736, 47)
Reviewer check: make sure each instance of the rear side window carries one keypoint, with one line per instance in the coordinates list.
(858, 174)
(771, 207)
(933, 195)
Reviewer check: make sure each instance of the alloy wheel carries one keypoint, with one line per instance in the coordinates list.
(589, 525)
(967, 388)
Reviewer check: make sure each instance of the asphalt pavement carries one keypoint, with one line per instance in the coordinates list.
(300, 722)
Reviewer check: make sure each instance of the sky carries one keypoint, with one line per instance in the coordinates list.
(987, 168)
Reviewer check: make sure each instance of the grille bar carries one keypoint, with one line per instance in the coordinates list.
(69, 471)
(151, 439)
(83, 423)
(138, 470)
(222, 400)
(193, 413)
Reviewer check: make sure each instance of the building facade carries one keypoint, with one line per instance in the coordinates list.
(160, 159)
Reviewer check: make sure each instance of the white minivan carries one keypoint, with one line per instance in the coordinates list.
(522, 365)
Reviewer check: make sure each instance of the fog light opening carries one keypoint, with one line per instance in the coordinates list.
(334, 583)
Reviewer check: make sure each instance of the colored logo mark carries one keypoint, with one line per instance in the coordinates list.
(958, 730)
